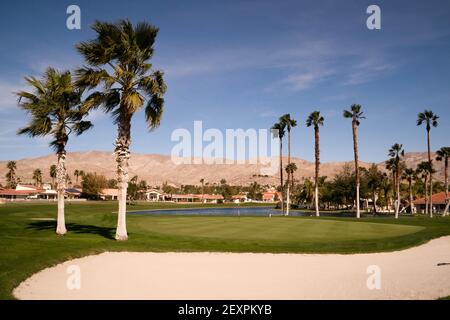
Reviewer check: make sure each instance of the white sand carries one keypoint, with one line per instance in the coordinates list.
(408, 274)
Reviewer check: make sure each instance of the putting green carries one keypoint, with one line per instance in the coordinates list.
(277, 229)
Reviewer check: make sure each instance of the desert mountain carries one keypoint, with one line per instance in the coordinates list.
(157, 169)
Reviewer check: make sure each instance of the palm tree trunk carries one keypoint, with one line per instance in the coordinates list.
(61, 186)
(374, 201)
(426, 194)
(317, 147)
(447, 203)
(281, 176)
(355, 147)
(431, 174)
(397, 178)
(122, 156)
(288, 197)
(411, 205)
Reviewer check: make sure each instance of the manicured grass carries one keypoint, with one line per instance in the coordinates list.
(28, 242)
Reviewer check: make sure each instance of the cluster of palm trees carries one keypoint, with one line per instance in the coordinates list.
(117, 77)
(395, 164)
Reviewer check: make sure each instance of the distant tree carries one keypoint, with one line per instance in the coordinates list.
(316, 120)
(396, 152)
(442, 155)
(374, 181)
(202, 181)
(424, 169)
(92, 185)
(430, 120)
(77, 174)
(410, 175)
(112, 183)
(37, 177)
(11, 179)
(53, 173)
(356, 115)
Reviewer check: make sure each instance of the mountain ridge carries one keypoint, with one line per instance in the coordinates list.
(157, 168)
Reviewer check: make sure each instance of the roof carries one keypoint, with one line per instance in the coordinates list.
(438, 198)
(198, 196)
(14, 192)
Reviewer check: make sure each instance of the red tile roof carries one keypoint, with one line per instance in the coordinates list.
(438, 198)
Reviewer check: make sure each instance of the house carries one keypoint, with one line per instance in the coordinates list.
(153, 195)
(109, 194)
(238, 198)
(438, 203)
(73, 193)
(205, 198)
(271, 195)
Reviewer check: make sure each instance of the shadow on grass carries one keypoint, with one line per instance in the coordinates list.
(105, 232)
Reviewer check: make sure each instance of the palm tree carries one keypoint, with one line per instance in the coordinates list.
(119, 64)
(202, 181)
(11, 174)
(396, 152)
(37, 177)
(316, 120)
(391, 167)
(356, 115)
(278, 131)
(54, 109)
(374, 182)
(424, 169)
(76, 173)
(410, 175)
(290, 169)
(289, 123)
(430, 120)
(442, 155)
(53, 174)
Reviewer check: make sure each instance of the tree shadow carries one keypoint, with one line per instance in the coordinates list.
(105, 232)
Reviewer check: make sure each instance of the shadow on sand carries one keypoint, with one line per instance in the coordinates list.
(75, 228)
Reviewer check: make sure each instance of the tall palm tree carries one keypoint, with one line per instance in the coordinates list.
(430, 120)
(442, 155)
(397, 152)
(11, 174)
(37, 177)
(53, 174)
(356, 115)
(54, 108)
(119, 65)
(278, 131)
(316, 120)
(289, 123)
(410, 175)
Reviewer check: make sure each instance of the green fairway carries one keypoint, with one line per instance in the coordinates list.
(29, 244)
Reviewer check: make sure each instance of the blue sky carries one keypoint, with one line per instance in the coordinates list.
(241, 64)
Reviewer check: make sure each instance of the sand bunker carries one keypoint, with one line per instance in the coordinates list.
(417, 273)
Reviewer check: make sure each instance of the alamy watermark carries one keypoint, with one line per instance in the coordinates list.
(234, 146)
(73, 281)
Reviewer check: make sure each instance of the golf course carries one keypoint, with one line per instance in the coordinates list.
(29, 244)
